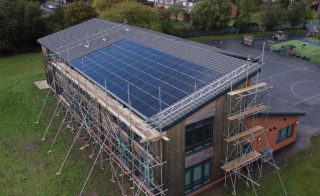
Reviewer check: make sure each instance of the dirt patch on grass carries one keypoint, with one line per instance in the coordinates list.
(32, 146)
(93, 193)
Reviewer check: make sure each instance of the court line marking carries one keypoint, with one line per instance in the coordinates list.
(281, 99)
(314, 101)
(307, 99)
(278, 74)
(296, 83)
(300, 82)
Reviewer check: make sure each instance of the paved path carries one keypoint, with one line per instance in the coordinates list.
(310, 42)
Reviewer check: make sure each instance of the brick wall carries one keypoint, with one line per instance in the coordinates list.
(273, 124)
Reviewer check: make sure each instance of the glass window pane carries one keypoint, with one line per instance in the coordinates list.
(289, 133)
(187, 177)
(278, 135)
(198, 136)
(188, 139)
(197, 173)
(283, 132)
(206, 169)
(208, 134)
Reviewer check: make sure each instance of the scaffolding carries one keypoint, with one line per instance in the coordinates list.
(241, 154)
(131, 146)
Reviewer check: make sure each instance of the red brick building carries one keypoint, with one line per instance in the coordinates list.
(281, 121)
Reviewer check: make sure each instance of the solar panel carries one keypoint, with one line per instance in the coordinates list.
(145, 70)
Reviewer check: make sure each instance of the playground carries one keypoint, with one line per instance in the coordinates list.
(306, 48)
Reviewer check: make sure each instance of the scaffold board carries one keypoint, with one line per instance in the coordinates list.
(247, 112)
(249, 88)
(241, 161)
(257, 129)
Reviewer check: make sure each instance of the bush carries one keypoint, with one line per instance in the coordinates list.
(180, 29)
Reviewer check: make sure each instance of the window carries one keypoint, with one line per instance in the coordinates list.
(198, 135)
(285, 133)
(197, 175)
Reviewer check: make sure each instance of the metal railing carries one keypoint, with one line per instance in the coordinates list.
(187, 104)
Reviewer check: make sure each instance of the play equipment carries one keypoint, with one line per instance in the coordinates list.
(280, 35)
(287, 50)
(248, 40)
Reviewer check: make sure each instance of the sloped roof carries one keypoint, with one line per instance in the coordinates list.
(93, 36)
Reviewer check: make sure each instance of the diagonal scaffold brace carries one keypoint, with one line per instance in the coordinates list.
(73, 142)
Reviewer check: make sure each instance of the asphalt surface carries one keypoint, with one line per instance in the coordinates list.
(295, 82)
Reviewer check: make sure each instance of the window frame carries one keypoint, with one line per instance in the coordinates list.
(285, 133)
(204, 180)
(206, 135)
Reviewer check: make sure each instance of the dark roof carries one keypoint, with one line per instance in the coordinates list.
(126, 69)
(70, 43)
(279, 107)
(95, 36)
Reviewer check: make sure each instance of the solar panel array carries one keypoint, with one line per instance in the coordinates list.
(135, 72)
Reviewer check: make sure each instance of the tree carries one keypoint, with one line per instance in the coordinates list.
(245, 11)
(103, 5)
(56, 21)
(271, 15)
(135, 14)
(174, 11)
(21, 24)
(78, 12)
(297, 13)
(171, 24)
(211, 14)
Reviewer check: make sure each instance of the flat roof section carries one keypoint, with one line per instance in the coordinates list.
(145, 74)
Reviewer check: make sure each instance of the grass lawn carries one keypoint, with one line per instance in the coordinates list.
(25, 166)
(301, 174)
(210, 38)
(310, 51)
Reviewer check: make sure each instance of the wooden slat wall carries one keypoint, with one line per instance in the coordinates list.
(206, 112)
(173, 152)
(219, 146)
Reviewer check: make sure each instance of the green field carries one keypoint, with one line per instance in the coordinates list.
(301, 175)
(27, 169)
(25, 166)
(309, 51)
